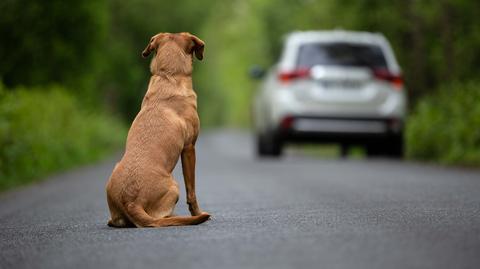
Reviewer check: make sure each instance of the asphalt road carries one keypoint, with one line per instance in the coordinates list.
(298, 212)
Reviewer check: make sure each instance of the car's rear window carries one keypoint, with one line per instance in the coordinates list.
(341, 54)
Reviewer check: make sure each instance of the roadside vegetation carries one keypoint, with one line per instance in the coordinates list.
(52, 110)
(44, 129)
(444, 126)
(90, 50)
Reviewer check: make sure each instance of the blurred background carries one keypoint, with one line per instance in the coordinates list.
(72, 78)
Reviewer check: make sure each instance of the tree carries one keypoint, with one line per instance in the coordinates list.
(53, 41)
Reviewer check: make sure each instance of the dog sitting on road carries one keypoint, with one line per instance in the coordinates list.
(141, 191)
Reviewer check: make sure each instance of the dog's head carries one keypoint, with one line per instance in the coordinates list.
(174, 52)
(186, 41)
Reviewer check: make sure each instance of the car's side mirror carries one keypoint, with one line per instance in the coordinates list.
(256, 72)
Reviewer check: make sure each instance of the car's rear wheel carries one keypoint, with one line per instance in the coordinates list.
(269, 145)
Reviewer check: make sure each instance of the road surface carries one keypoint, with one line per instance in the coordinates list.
(298, 212)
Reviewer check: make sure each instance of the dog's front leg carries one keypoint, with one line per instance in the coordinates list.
(188, 167)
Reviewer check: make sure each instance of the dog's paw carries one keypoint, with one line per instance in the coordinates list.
(205, 214)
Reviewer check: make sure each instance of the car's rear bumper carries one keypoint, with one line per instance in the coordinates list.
(334, 130)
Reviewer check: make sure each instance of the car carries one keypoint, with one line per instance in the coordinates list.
(335, 86)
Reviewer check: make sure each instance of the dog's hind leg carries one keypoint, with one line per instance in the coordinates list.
(117, 218)
(120, 223)
(166, 205)
(141, 219)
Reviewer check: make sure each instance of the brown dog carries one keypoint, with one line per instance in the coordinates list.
(141, 191)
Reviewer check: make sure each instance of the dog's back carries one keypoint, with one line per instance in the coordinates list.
(167, 121)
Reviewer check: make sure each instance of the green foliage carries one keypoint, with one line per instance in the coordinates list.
(52, 41)
(44, 130)
(224, 88)
(444, 126)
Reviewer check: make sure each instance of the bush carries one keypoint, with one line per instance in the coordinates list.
(444, 127)
(44, 130)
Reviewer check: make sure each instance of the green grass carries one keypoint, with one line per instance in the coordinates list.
(44, 130)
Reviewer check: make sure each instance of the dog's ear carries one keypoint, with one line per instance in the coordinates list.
(197, 46)
(150, 47)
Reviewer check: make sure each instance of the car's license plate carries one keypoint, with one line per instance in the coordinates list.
(341, 84)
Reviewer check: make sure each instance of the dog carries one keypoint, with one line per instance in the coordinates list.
(141, 191)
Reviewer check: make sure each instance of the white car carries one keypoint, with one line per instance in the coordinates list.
(332, 87)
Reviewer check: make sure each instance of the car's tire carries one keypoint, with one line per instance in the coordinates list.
(269, 145)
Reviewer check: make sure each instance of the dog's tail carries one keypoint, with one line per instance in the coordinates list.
(140, 218)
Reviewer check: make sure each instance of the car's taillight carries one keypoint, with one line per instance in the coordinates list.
(288, 76)
(385, 75)
(287, 122)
